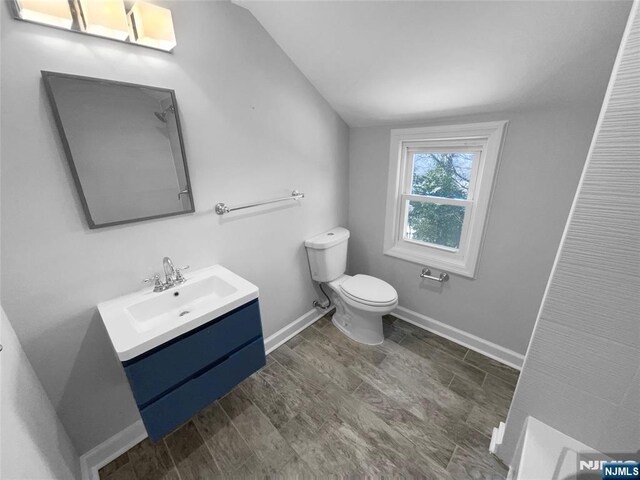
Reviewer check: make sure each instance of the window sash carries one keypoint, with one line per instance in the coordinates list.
(404, 220)
(406, 196)
(410, 150)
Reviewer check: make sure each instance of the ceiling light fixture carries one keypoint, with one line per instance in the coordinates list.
(152, 26)
(48, 12)
(146, 24)
(105, 18)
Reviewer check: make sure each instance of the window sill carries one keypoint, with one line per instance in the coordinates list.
(430, 259)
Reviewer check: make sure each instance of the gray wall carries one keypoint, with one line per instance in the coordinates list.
(541, 162)
(582, 370)
(254, 127)
(34, 444)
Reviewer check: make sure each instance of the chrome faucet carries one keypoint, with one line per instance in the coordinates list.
(169, 271)
(172, 276)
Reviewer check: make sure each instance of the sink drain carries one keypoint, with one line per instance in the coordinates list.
(182, 314)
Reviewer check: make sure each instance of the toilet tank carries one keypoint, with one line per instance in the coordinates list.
(327, 254)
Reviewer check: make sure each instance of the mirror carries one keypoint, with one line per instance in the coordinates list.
(124, 146)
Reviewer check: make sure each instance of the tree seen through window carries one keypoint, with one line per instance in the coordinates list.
(444, 175)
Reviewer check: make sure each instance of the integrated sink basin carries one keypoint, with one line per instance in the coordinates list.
(141, 321)
(154, 310)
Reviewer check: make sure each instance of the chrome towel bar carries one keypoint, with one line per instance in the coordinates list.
(222, 208)
(426, 273)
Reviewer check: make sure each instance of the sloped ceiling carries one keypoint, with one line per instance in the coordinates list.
(382, 62)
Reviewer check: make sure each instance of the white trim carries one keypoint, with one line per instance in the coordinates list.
(480, 345)
(497, 436)
(464, 260)
(416, 253)
(291, 330)
(112, 448)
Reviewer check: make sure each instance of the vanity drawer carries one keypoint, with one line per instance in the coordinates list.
(157, 371)
(170, 411)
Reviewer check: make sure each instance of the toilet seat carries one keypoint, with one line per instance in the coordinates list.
(367, 290)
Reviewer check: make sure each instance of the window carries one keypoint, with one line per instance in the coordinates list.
(440, 182)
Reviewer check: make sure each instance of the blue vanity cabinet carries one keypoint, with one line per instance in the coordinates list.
(177, 379)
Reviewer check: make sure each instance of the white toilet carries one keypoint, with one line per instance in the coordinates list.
(361, 300)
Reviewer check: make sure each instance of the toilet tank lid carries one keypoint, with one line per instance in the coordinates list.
(328, 239)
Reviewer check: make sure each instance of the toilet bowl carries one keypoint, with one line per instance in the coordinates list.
(360, 303)
(360, 300)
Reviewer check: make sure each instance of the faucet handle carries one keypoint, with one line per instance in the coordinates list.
(157, 284)
(156, 277)
(179, 277)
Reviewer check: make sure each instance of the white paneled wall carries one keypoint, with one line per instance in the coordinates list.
(582, 371)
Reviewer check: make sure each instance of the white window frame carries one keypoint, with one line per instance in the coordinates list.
(486, 140)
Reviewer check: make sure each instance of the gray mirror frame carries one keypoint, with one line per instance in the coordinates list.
(46, 75)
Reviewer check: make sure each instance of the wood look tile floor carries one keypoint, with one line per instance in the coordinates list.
(417, 406)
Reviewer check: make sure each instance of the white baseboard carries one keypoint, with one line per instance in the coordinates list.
(109, 450)
(480, 345)
(115, 446)
(291, 330)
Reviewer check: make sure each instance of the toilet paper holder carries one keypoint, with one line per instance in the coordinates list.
(426, 273)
